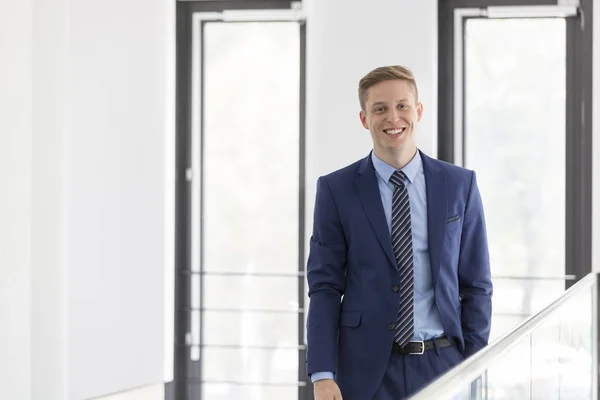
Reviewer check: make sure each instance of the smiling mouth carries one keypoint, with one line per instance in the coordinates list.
(394, 132)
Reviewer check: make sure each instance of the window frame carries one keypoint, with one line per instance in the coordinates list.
(187, 373)
(578, 234)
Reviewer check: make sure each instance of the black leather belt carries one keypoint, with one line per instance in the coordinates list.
(420, 347)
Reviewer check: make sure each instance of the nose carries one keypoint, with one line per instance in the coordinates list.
(394, 115)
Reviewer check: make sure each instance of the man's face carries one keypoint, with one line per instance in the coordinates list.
(391, 114)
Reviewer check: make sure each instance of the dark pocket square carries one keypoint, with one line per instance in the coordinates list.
(452, 219)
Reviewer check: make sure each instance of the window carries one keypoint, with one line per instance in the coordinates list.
(514, 85)
(240, 280)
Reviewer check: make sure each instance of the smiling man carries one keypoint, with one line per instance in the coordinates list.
(398, 271)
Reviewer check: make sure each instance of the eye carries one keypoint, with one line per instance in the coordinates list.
(402, 106)
(379, 109)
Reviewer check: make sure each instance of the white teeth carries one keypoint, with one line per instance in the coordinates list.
(394, 131)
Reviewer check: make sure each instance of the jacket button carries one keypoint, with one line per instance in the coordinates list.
(391, 327)
(395, 288)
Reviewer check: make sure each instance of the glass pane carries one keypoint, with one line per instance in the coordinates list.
(562, 353)
(504, 323)
(251, 147)
(251, 292)
(223, 391)
(250, 208)
(545, 360)
(575, 357)
(515, 92)
(517, 299)
(250, 365)
(554, 362)
(250, 328)
(509, 376)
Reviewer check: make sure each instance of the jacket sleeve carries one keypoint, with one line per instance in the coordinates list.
(326, 282)
(474, 278)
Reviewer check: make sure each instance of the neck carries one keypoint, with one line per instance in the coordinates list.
(397, 158)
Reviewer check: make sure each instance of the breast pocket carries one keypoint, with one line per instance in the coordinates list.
(453, 223)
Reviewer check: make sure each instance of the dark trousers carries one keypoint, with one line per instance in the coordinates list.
(407, 374)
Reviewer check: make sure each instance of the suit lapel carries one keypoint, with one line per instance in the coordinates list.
(435, 184)
(368, 192)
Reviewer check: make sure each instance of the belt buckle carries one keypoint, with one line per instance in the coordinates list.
(422, 343)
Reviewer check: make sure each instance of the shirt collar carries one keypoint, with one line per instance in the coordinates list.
(385, 170)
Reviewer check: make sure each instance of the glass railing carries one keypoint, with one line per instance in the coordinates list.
(553, 355)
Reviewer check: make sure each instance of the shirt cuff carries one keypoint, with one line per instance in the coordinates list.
(318, 376)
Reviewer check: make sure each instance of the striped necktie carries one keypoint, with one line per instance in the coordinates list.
(403, 251)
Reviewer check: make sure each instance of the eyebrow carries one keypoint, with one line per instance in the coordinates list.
(381, 103)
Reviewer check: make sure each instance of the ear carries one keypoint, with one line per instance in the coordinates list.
(363, 119)
(419, 112)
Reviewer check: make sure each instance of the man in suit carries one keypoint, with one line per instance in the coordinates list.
(398, 271)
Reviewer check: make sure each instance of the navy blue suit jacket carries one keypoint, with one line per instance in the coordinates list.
(352, 269)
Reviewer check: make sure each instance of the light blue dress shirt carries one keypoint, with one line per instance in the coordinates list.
(427, 317)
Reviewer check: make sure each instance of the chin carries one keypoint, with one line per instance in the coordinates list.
(397, 143)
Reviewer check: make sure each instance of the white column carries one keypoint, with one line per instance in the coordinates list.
(345, 40)
(116, 196)
(15, 198)
(82, 168)
(51, 102)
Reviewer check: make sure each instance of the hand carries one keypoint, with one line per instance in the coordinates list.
(327, 389)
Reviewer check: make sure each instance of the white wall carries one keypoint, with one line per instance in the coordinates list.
(169, 189)
(15, 198)
(345, 40)
(50, 50)
(116, 196)
(83, 111)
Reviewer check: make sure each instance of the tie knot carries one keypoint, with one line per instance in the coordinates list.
(397, 178)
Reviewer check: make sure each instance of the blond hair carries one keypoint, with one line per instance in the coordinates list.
(388, 73)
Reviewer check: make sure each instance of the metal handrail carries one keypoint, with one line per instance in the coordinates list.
(464, 373)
